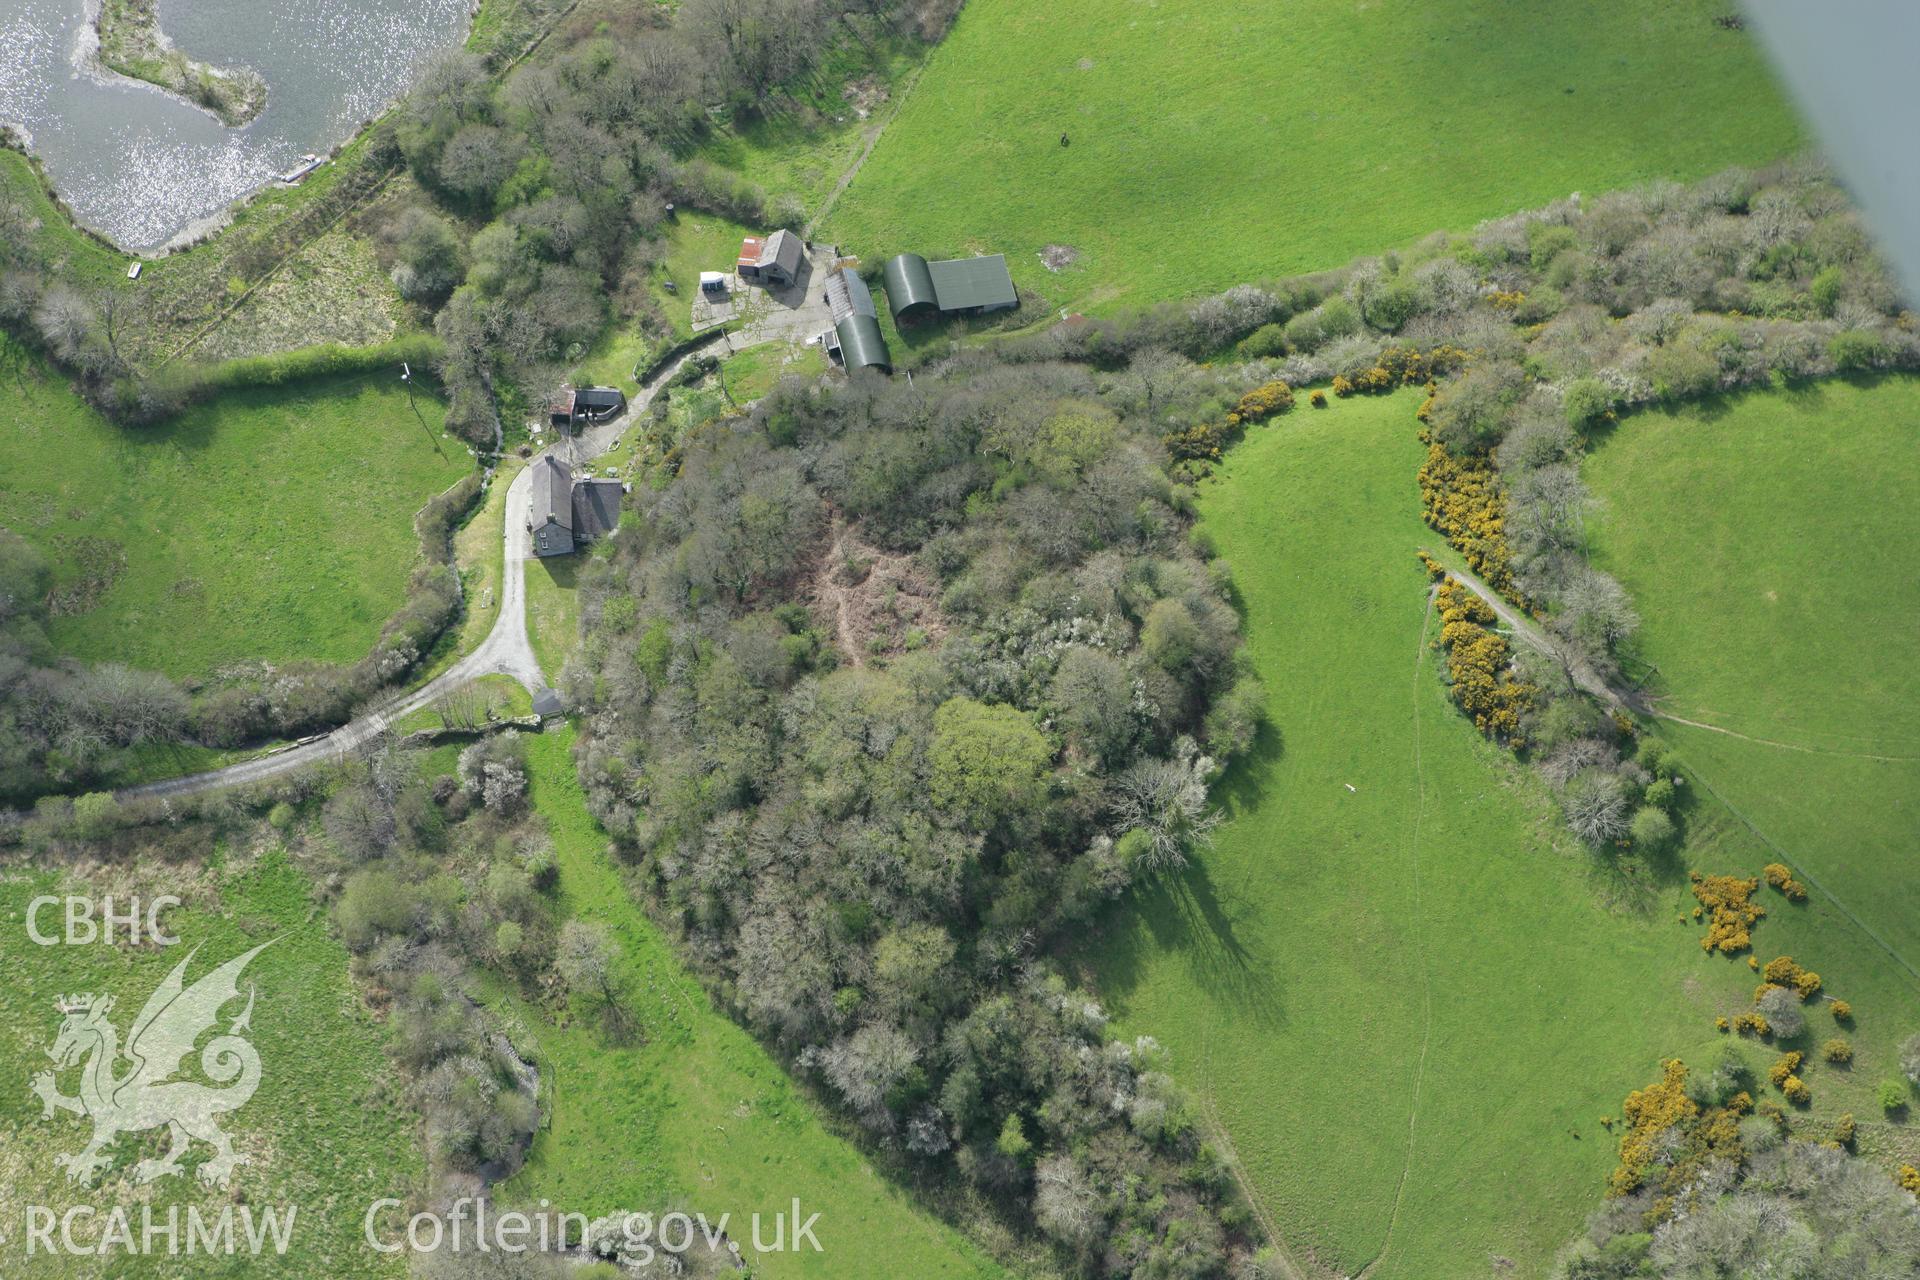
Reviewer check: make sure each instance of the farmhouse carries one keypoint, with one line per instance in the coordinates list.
(855, 337)
(572, 407)
(569, 510)
(773, 262)
(917, 289)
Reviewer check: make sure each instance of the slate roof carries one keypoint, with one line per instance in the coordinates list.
(596, 507)
(783, 250)
(552, 492)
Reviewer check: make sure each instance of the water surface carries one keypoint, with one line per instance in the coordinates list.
(144, 166)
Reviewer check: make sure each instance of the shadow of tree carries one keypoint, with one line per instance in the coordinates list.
(1188, 914)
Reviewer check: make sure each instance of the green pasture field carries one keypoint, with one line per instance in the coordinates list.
(553, 609)
(269, 523)
(326, 1131)
(1766, 540)
(1211, 144)
(1407, 1005)
(690, 1111)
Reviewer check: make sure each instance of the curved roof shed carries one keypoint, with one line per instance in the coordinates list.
(862, 346)
(910, 290)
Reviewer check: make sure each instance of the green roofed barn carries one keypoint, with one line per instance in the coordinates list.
(917, 288)
(861, 345)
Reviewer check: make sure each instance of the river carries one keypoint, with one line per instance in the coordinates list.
(145, 167)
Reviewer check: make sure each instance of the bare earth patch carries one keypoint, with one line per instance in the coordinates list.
(1058, 257)
(876, 604)
(864, 95)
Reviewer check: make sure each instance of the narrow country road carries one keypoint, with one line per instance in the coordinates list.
(507, 649)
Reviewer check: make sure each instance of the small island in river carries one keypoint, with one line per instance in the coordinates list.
(132, 44)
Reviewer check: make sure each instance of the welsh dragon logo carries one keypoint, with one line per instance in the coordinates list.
(144, 1095)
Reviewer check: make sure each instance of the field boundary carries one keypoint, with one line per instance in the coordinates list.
(1893, 953)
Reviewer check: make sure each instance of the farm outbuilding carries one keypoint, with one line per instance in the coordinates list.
(774, 261)
(861, 345)
(571, 406)
(917, 288)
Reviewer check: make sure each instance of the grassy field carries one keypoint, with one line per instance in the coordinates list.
(325, 1131)
(553, 610)
(1409, 1004)
(695, 1113)
(1766, 541)
(1217, 143)
(274, 524)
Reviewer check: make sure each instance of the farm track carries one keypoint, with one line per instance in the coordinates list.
(1784, 746)
(1426, 974)
(872, 140)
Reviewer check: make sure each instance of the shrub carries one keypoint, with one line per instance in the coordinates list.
(1734, 913)
(1262, 402)
(1892, 1095)
(1842, 1011)
(1660, 793)
(1781, 878)
(1682, 371)
(1267, 342)
(1649, 1113)
(1909, 1179)
(1784, 1067)
(1318, 399)
(1796, 1091)
(1837, 1050)
(1781, 1009)
(1843, 1129)
(1652, 829)
(1858, 349)
(1463, 500)
(1588, 400)
(1479, 665)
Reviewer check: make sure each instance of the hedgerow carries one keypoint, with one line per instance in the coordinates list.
(1462, 499)
(1479, 664)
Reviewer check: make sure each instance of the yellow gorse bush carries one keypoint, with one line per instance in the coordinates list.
(1479, 663)
(1729, 899)
(1462, 499)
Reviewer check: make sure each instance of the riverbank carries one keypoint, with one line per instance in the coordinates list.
(126, 39)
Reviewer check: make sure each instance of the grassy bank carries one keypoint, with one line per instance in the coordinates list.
(695, 1112)
(272, 523)
(1212, 144)
(1393, 942)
